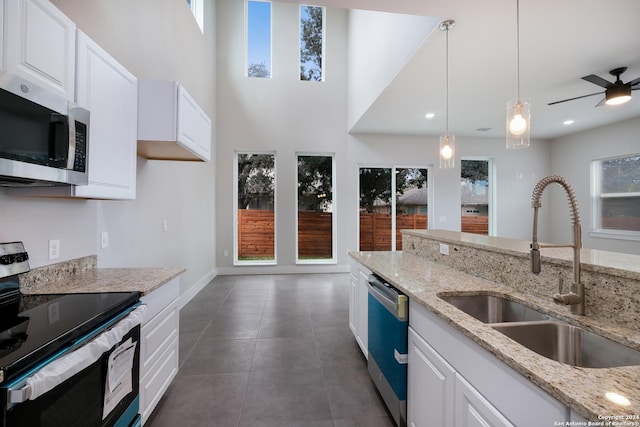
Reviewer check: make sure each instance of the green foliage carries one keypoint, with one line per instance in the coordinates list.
(375, 185)
(315, 192)
(258, 70)
(311, 43)
(256, 179)
(621, 175)
(474, 170)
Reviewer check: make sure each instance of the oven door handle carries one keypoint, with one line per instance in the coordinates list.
(65, 367)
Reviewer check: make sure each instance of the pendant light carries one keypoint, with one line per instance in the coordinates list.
(447, 141)
(518, 111)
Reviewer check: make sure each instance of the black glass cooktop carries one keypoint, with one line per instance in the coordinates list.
(34, 327)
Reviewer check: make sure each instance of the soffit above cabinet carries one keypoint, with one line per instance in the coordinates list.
(171, 124)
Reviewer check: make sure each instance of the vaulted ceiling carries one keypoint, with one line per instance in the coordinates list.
(560, 42)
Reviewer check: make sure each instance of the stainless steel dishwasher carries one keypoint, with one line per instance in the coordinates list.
(388, 316)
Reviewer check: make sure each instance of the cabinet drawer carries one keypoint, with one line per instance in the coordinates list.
(157, 335)
(157, 300)
(154, 384)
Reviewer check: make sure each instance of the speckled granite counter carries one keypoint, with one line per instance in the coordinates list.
(81, 275)
(581, 389)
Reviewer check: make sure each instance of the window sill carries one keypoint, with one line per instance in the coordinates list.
(615, 234)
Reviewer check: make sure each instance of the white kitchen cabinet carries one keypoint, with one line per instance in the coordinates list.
(473, 410)
(358, 303)
(486, 391)
(430, 386)
(110, 93)
(171, 124)
(362, 320)
(353, 294)
(40, 45)
(159, 356)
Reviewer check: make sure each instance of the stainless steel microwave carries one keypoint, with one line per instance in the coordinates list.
(44, 139)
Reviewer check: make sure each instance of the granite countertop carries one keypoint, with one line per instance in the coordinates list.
(82, 276)
(581, 389)
(620, 264)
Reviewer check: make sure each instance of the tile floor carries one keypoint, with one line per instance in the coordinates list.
(270, 351)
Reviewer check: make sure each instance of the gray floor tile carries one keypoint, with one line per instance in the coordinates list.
(352, 393)
(383, 421)
(229, 327)
(285, 354)
(219, 356)
(280, 397)
(270, 351)
(201, 401)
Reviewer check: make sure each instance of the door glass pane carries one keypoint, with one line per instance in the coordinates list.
(375, 209)
(315, 208)
(256, 203)
(412, 201)
(474, 192)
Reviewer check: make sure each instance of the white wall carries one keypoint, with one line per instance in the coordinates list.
(153, 39)
(280, 114)
(571, 157)
(380, 44)
(517, 172)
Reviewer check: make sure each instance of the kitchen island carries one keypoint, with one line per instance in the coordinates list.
(423, 273)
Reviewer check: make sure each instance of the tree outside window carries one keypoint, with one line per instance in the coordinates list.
(617, 195)
(311, 42)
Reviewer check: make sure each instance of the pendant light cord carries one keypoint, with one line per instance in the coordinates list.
(447, 82)
(518, 49)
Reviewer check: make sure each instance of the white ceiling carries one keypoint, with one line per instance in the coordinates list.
(560, 41)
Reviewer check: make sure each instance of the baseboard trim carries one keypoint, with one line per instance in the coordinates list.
(197, 287)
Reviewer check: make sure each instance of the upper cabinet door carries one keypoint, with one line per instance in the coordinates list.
(40, 45)
(171, 124)
(110, 93)
(194, 126)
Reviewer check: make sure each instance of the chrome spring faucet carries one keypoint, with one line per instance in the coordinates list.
(574, 298)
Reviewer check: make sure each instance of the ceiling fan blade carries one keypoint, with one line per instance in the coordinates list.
(602, 102)
(597, 80)
(577, 97)
(634, 82)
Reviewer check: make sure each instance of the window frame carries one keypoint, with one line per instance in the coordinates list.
(197, 9)
(596, 229)
(246, 35)
(394, 167)
(491, 196)
(236, 261)
(324, 41)
(334, 216)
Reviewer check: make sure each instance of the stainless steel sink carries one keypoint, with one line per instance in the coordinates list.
(569, 344)
(494, 309)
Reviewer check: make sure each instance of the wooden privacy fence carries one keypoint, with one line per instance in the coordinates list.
(256, 232)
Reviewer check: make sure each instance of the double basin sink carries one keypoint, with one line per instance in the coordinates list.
(548, 336)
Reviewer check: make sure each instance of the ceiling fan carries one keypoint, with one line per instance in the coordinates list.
(614, 93)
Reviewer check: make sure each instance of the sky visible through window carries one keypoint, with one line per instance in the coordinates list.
(259, 39)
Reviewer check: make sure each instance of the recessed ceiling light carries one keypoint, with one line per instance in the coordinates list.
(430, 115)
(567, 122)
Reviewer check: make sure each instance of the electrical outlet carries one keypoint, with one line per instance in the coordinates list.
(164, 225)
(226, 252)
(54, 249)
(444, 249)
(442, 218)
(104, 240)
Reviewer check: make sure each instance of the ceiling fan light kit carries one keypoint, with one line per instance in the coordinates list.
(615, 93)
(518, 129)
(447, 141)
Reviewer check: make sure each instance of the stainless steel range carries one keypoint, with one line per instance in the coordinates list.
(66, 360)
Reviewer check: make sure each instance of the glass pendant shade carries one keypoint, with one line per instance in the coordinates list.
(447, 151)
(518, 123)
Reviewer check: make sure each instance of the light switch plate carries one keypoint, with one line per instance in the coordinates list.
(444, 249)
(104, 239)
